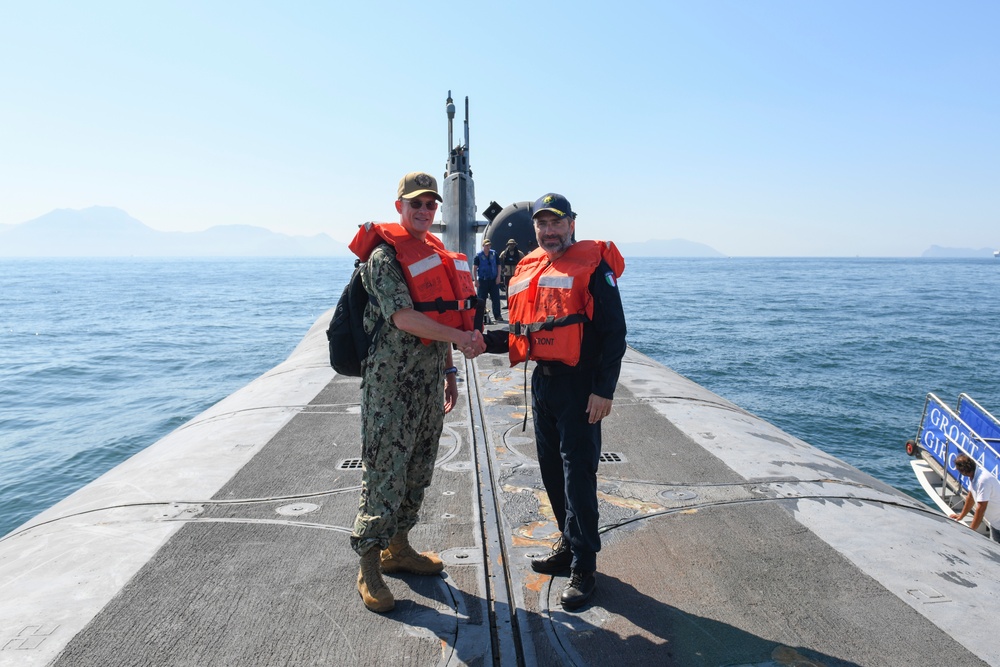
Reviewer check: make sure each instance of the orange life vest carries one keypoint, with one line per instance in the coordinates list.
(548, 302)
(439, 281)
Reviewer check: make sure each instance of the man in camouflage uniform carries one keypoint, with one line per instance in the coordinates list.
(509, 259)
(401, 410)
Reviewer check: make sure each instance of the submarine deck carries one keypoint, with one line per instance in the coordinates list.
(725, 542)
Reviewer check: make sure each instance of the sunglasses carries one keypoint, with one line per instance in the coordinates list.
(417, 204)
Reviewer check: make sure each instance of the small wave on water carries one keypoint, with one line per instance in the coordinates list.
(101, 358)
(127, 350)
(838, 352)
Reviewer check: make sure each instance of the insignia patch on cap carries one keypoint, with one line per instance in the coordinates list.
(548, 200)
(423, 180)
(610, 278)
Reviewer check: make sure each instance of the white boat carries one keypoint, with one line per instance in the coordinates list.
(943, 435)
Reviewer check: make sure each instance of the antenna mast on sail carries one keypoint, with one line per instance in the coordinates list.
(458, 225)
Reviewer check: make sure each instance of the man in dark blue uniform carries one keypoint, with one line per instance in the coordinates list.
(568, 404)
(487, 276)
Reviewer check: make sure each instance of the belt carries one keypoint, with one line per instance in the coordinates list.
(553, 371)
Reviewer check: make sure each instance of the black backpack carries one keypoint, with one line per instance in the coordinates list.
(349, 344)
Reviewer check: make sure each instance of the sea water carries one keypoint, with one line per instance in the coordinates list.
(100, 358)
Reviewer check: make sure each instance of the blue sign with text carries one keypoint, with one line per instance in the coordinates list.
(945, 435)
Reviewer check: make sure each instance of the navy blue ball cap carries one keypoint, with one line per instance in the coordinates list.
(555, 204)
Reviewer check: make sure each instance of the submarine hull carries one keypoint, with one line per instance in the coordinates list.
(726, 541)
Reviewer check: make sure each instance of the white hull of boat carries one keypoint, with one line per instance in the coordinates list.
(930, 482)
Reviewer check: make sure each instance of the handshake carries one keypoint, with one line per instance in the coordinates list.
(471, 343)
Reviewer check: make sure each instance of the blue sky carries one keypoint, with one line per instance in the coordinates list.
(757, 127)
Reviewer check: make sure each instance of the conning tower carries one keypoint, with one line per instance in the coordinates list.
(458, 226)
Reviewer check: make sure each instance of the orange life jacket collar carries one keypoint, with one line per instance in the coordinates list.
(549, 301)
(439, 281)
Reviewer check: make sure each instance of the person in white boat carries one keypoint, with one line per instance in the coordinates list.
(984, 492)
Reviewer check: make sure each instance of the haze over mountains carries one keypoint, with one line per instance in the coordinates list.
(938, 251)
(104, 231)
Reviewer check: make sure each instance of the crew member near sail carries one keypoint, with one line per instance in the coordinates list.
(426, 296)
(566, 314)
(487, 276)
(509, 258)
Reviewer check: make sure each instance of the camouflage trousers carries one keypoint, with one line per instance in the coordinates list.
(400, 436)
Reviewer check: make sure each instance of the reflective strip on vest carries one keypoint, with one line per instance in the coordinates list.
(558, 282)
(462, 265)
(426, 264)
(514, 288)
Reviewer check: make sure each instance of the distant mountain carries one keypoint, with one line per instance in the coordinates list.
(671, 248)
(102, 231)
(938, 251)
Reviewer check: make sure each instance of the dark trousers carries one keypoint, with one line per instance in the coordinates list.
(569, 449)
(491, 288)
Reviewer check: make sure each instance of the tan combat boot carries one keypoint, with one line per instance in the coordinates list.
(401, 557)
(375, 594)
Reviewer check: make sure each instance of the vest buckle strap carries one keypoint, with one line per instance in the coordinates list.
(439, 305)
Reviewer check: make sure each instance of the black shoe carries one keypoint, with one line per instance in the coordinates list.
(578, 589)
(557, 561)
